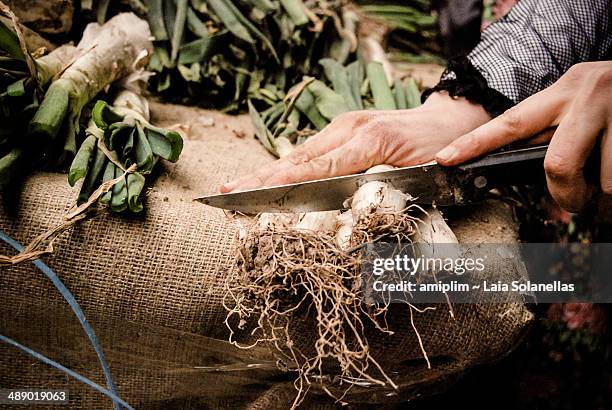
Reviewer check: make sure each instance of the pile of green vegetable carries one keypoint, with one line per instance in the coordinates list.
(312, 104)
(43, 104)
(412, 29)
(220, 53)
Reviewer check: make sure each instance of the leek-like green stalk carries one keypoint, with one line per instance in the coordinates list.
(383, 97)
(118, 137)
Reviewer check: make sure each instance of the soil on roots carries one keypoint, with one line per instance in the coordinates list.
(298, 292)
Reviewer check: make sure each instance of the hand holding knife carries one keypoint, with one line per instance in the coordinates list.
(428, 183)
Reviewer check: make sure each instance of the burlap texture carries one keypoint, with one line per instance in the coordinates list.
(151, 287)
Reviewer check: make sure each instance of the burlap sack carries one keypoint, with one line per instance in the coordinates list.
(152, 287)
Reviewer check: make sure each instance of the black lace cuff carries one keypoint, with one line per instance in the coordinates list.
(461, 79)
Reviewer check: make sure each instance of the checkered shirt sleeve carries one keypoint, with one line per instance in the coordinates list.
(533, 45)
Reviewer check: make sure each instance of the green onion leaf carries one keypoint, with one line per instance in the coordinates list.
(379, 84)
(16, 89)
(109, 173)
(120, 193)
(155, 16)
(135, 185)
(81, 160)
(262, 132)
(94, 176)
(329, 103)
(164, 143)
(143, 150)
(103, 115)
(400, 95)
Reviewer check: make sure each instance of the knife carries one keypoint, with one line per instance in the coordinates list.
(428, 183)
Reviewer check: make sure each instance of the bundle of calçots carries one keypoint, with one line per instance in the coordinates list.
(307, 269)
(312, 104)
(119, 137)
(224, 51)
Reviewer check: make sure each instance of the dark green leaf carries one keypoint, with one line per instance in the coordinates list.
(9, 43)
(262, 132)
(118, 134)
(16, 89)
(179, 28)
(135, 185)
(252, 28)
(94, 176)
(80, 163)
(306, 104)
(169, 15)
(164, 143)
(144, 153)
(119, 200)
(103, 115)
(128, 147)
(109, 173)
(195, 25)
(102, 9)
(10, 166)
(196, 51)
(230, 19)
(155, 16)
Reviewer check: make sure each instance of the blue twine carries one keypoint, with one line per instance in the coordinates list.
(79, 314)
(66, 370)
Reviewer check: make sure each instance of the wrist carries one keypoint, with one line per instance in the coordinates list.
(461, 114)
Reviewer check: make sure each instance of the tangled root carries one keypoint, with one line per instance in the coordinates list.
(289, 280)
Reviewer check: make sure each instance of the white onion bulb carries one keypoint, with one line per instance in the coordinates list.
(378, 195)
(318, 221)
(345, 229)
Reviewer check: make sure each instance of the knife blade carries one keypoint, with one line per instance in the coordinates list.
(428, 183)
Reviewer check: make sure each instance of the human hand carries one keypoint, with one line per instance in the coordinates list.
(579, 105)
(358, 140)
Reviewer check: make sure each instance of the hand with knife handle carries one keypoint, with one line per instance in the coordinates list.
(454, 131)
(574, 114)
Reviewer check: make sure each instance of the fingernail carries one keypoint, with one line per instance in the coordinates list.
(229, 187)
(447, 153)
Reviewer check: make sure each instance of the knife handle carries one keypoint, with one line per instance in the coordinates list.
(515, 167)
